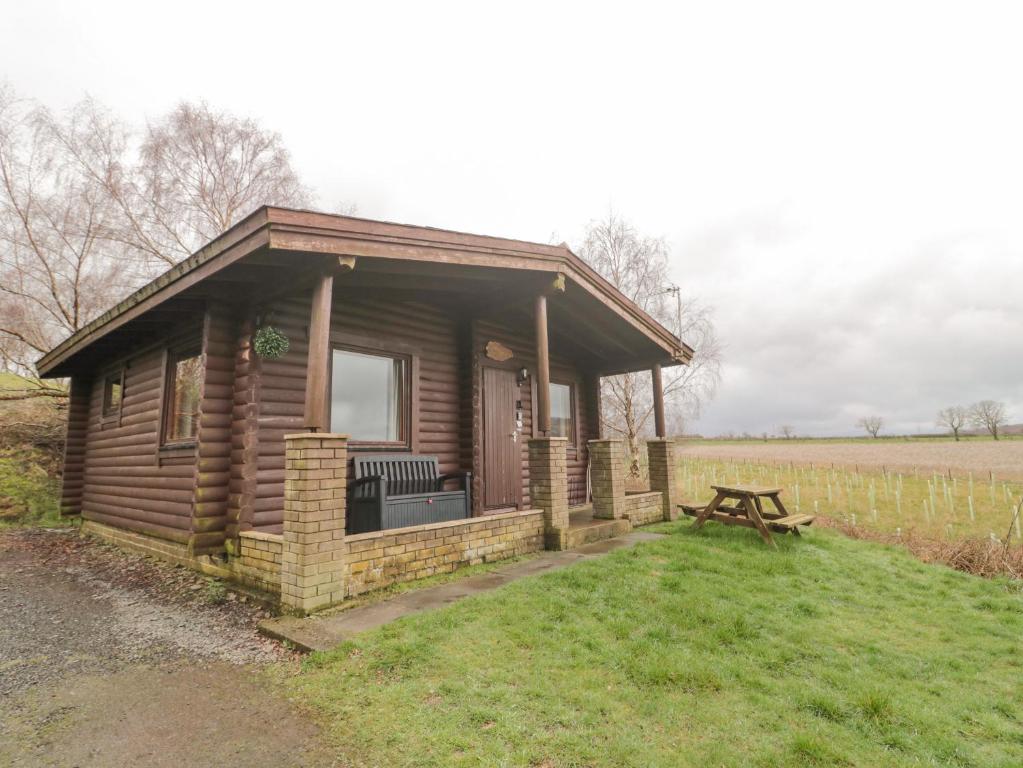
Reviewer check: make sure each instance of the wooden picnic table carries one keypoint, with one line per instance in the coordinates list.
(747, 510)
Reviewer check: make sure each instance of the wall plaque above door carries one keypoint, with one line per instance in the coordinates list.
(495, 350)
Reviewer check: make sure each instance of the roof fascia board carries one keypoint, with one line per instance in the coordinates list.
(216, 256)
(512, 255)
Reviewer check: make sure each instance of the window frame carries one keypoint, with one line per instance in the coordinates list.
(573, 436)
(173, 356)
(109, 413)
(407, 422)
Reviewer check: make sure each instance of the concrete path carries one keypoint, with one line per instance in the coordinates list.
(321, 633)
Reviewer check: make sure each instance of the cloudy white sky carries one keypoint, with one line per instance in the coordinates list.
(842, 181)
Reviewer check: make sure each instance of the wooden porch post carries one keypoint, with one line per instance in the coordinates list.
(319, 355)
(543, 368)
(658, 400)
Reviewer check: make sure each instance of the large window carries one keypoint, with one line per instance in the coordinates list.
(562, 413)
(369, 397)
(184, 390)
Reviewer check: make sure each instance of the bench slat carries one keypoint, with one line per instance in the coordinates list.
(791, 521)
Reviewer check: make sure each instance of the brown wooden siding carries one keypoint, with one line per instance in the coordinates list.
(234, 480)
(74, 447)
(428, 331)
(128, 483)
(244, 433)
(519, 338)
(214, 436)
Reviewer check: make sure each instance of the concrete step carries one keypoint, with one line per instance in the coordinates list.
(596, 530)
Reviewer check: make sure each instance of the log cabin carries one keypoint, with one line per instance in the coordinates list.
(477, 359)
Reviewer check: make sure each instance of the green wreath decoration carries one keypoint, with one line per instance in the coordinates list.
(269, 342)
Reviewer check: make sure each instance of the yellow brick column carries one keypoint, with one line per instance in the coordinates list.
(607, 478)
(663, 474)
(548, 487)
(313, 564)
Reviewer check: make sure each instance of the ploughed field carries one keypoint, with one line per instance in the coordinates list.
(980, 456)
(875, 485)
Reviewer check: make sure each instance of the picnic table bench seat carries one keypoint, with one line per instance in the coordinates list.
(401, 490)
(789, 522)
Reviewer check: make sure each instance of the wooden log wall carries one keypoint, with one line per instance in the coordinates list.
(448, 416)
(128, 482)
(213, 464)
(74, 446)
(244, 433)
(519, 338)
(429, 330)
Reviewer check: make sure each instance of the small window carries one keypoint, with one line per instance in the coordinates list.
(562, 415)
(369, 397)
(184, 391)
(113, 392)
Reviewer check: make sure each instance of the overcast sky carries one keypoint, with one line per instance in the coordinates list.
(843, 182)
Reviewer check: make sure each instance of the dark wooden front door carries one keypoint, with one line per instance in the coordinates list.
(501, 449)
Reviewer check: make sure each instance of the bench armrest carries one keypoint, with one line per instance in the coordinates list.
(465, 477)
(367, 480)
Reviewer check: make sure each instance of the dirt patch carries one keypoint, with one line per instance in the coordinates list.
(1004, 458)
(110, 658)
(977, 556)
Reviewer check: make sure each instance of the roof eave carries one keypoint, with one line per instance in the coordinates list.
(282, 228)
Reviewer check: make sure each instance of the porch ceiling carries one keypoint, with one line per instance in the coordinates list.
(579, 326)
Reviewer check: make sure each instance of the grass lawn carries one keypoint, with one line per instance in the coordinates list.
(703, 649)
(28, 493)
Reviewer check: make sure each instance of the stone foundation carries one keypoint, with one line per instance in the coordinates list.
(259, 560)
(144, 544)
(381, 558)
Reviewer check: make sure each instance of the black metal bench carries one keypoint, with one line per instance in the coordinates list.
(399, 490)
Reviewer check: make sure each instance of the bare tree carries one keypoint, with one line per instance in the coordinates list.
(201, 171)
(953, 419)
(872, 424)
(55, 274)
(787, 431)
(89, 211)
(638, 267)
(196, 173)
(989, 414)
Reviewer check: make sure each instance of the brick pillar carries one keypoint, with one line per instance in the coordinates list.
(664, 475)
(548, 487)
(607, 478)
(313, 558)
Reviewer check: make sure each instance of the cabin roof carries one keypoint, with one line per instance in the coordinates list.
(283, 230)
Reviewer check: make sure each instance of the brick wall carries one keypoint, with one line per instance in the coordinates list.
(664, 475)
(548, 487)
(643, 508)
(312, 559)
(607, 478)
(381, 558)
(258, 563)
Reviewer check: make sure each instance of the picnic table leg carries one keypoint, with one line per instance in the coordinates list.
(777, 503)
(708, 511)
(782, 511)
(751, 510)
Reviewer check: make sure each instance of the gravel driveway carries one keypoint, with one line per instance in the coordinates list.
(113, 659)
